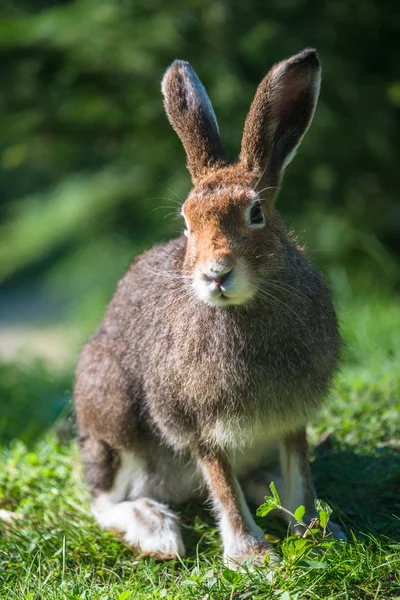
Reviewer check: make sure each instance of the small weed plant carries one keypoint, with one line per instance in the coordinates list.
(313, 538)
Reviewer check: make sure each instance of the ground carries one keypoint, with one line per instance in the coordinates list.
(54, 550)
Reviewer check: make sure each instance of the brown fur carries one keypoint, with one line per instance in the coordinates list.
(220, 232)
(100, 463)
(191, 121)
(219, 475)
(225, 494)
(166, 372)
(280, 114)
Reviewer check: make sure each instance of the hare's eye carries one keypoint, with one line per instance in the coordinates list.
(256, 214)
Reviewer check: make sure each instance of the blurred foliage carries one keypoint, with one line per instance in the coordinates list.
(90, 168)
(32, 397)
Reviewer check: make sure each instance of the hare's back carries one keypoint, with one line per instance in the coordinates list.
(153, 277)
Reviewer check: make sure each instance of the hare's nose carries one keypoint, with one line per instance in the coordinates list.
(218, 275)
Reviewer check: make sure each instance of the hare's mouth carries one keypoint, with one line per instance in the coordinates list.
(220, 295)
(233, 289)
(222, 299)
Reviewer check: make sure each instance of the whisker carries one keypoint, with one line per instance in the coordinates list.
(264, 269)
(170, 271)
(262, 175)
(319, 249)
(157, 208)
(184, 293)
(287, 288)
(272, 297)
(165, 274)
(270, 187)
(172, 192)
(153, 305)
(161, 198)
(177, 215)
(146, 276)
(269, 254)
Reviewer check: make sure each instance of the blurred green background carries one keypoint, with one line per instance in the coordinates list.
(91, 170)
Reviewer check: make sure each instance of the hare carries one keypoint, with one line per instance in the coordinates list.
(219, 346)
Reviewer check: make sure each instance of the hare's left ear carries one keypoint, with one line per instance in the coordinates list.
(191, 114)
(280, 115)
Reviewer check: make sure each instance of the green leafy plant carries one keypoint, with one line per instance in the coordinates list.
(313, 536)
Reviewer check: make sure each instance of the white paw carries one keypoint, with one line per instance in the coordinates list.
(155, 530)
(253, 552)
(146, 525)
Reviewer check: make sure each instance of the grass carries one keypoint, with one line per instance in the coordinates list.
(56, 551)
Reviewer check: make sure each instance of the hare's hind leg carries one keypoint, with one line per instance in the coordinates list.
(298, 485)
(288, 468)
(118, 483)
(290, 471)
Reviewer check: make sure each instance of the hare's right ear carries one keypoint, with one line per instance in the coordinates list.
(280, 115)
(191, 114)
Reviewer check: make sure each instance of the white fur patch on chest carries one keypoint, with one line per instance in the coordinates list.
(247, 444)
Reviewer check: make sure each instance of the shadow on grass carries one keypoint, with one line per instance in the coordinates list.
(363, 487)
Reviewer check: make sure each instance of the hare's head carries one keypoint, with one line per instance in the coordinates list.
(235, 238)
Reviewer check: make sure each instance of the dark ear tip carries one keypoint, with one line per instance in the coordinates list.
(178, 64)
(178, 67)
(307, 57)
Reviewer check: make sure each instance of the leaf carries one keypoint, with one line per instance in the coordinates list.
(249, 594)
(299, 513)
(265, 508)
(274, 493)
(314, 564)
(295, 548)
(230, 576)
(271, 502)
(327, 544)
(323, 518)
(272, 539)
(320, 505)
(125, 595)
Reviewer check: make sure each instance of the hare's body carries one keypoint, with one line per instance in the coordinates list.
(213, 355)
(217, 383)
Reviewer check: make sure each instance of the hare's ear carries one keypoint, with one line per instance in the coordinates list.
(280, 115)
(191, 114)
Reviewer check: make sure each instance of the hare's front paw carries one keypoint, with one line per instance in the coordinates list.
(255, 553)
